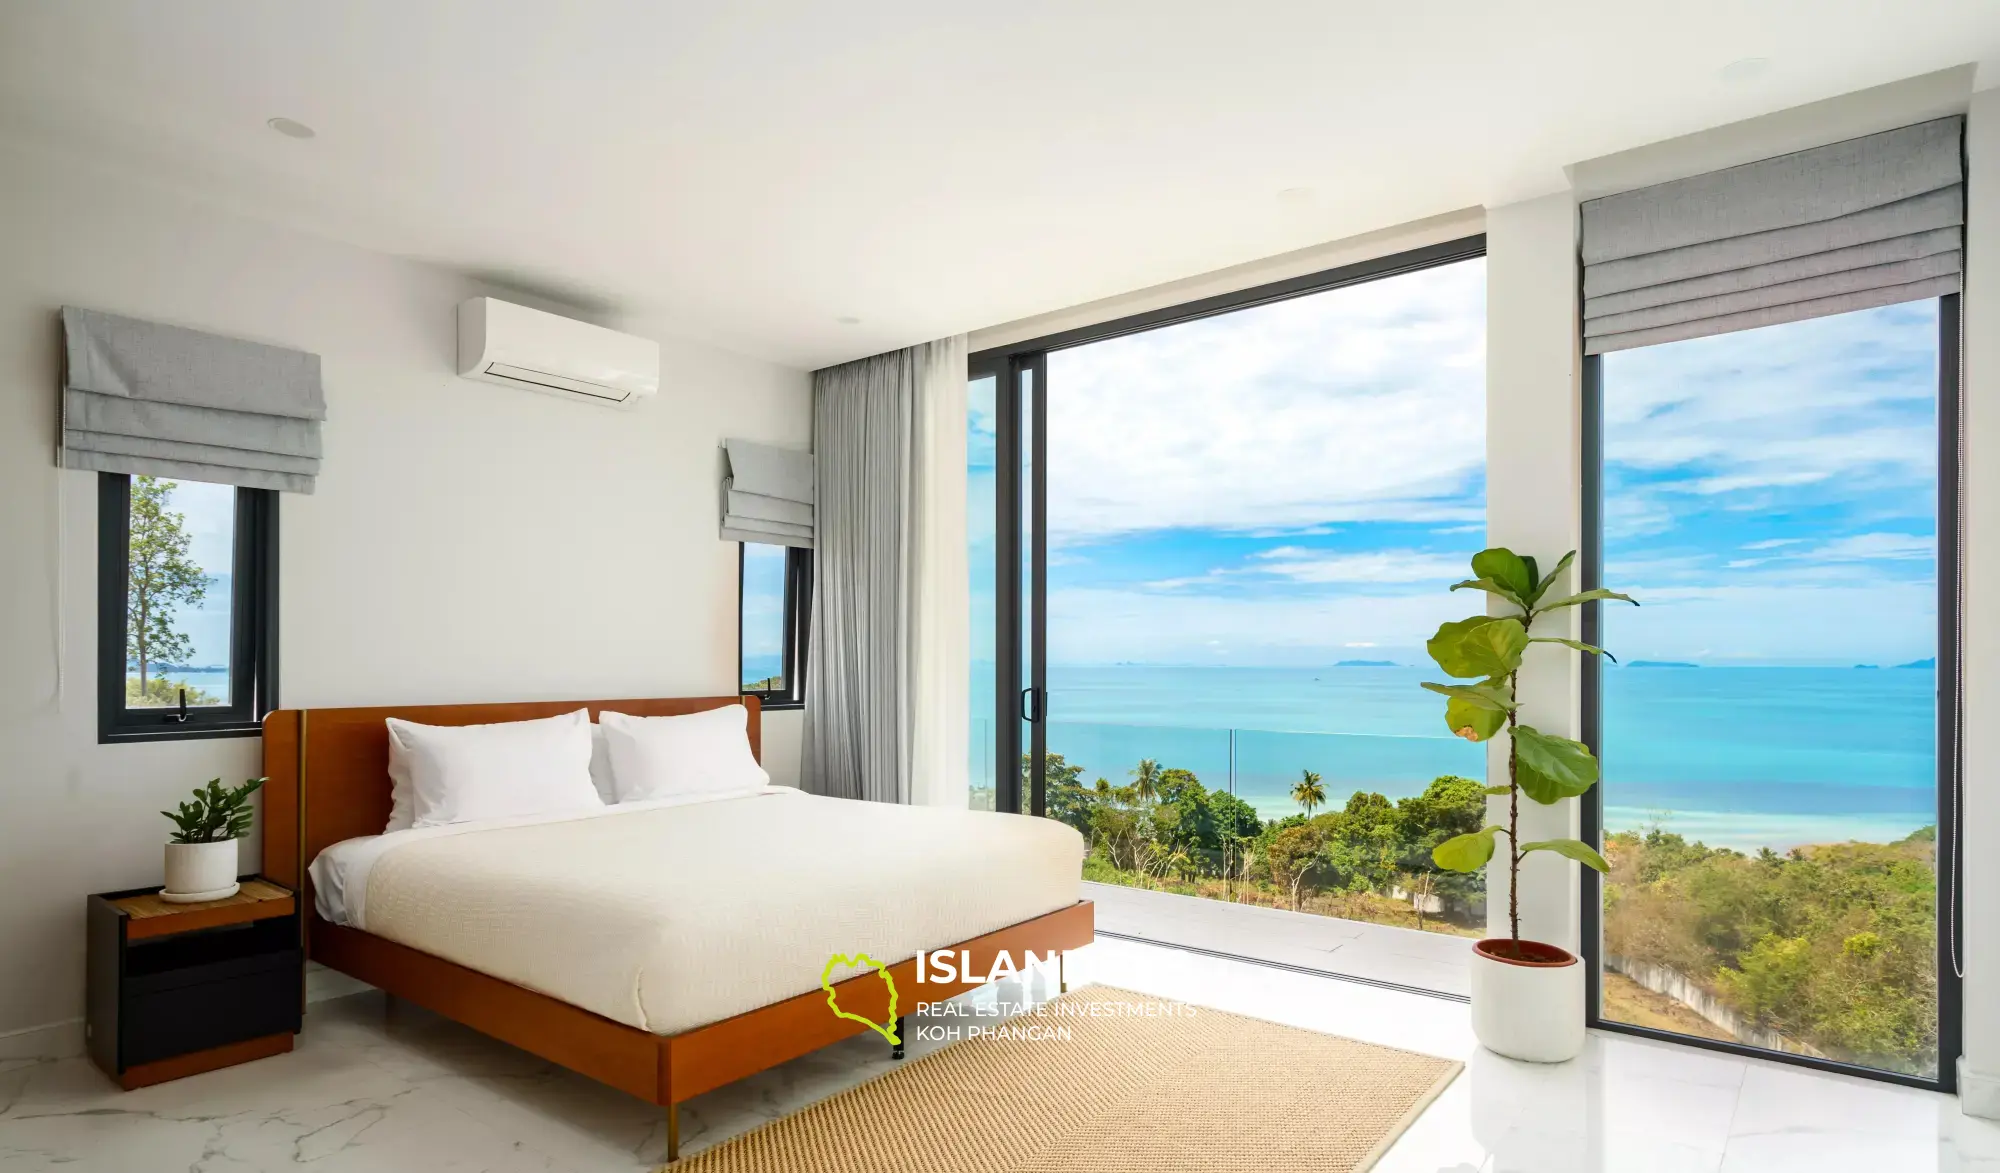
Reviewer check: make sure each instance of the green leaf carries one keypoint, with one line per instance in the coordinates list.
(1466, 853)
(1578, 644)
(1496, 790)
(1485, 695)
(1472, 722)
(1479, 647)
(1492, 588)
(1575, 849)
(1505, 567)
(1542, 586)
(1551, 768)
(1585, 597)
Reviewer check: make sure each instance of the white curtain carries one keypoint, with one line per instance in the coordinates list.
(887, 691)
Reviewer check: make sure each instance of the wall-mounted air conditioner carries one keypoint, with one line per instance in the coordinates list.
(518, 347)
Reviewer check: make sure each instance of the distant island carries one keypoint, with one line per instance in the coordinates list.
(1366, 664)
(1661, 664)
(1926, 662)
(1868, 665)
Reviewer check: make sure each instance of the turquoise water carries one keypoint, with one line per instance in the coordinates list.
(1742, 757)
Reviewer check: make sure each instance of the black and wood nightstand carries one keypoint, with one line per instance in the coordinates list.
(176, 989)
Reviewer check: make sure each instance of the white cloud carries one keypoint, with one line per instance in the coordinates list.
(1374, 566)
(1365, 403)
(1875, 547)
(1841, 406)
(1095, 626)
(1772, 543)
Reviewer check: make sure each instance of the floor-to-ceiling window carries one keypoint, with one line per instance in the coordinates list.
(1253, 514)
(1770, 737)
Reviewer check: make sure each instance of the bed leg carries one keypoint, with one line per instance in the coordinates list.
(1062, 978)
(673, 1133)
(902, 1027)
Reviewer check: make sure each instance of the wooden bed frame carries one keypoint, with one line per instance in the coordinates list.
(329, 781)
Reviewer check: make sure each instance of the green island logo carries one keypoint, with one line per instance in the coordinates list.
(833, 998)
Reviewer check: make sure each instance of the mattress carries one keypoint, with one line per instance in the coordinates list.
(670, 915)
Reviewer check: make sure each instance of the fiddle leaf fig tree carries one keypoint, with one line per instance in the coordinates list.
(1487, 649)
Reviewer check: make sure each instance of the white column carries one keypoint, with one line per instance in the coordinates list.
(1533, 507)
(1979, 1071)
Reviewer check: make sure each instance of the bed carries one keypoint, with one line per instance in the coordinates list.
(664, 948)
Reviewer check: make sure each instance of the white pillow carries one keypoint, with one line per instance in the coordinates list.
(705, 753)
(456, 773)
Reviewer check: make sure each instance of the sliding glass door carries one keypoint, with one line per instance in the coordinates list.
(1777, 804)
(1222, 534)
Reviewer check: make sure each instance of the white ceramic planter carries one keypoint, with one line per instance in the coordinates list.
(1529, 1009)
(200, 871)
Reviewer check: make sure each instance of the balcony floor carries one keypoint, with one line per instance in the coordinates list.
(1378, 953)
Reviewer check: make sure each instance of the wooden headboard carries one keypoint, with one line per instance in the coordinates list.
(328, 769)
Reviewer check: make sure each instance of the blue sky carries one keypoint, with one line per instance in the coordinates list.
(1298, 484)
(1771, 494)
(208, 515)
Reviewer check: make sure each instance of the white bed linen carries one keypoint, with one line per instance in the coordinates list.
(672, 914)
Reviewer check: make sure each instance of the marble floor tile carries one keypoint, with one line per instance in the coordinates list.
(376, 1084)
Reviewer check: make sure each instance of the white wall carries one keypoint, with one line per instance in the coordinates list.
(1980, 1071)
(1533, 503)
(467, 542)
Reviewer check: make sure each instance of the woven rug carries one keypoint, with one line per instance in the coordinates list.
(1138, 1086)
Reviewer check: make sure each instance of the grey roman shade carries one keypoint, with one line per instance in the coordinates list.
(1867, 222)
(140, 397)
(767, 495)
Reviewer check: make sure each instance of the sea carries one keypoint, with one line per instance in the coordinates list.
(1742, 757)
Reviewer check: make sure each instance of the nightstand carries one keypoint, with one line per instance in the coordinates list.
(176, 989)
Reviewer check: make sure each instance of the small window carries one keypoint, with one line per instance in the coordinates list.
(774, 601)
(187, 608)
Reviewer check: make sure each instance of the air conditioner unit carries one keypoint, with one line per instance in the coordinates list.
(515, 346)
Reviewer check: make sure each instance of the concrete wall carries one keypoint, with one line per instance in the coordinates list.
(1533, 503)
(1980, 1071)
(467, 542)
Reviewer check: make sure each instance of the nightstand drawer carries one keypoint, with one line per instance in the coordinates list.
(207, 1006)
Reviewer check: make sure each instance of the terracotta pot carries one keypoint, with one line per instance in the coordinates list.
(1527, 1004)
(200, 871)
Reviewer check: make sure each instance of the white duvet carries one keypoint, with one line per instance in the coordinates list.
(670, 915)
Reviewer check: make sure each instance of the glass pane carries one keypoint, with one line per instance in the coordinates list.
(763, 624)
(1769, 755)
(981, 439)
(178, 594)
(1253, 522)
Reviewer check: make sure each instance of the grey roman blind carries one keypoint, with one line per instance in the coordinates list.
(767, 495)
(1867, 222)
(140, 397)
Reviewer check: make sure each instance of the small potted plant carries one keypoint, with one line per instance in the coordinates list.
(201, 854)
(1527, 996)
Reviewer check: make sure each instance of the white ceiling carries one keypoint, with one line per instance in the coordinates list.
(755, 171)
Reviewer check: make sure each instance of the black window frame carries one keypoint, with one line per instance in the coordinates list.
(1950, 726)
(253, 636)
(797, 623)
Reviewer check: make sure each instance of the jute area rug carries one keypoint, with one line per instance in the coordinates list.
(1138, 1085)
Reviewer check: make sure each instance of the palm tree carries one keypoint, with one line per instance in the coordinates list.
(1146, 780)
(1309, 793)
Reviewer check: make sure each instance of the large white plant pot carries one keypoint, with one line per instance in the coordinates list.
(1530, 1009)
(200, 871)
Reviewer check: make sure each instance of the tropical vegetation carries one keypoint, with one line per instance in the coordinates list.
(1369, 860)
(1833, 947)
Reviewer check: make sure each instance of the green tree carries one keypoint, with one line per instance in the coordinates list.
(1309, 793)
(1146, 780)
(161, 580)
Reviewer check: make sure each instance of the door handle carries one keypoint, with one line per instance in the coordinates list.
(1031, 704)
